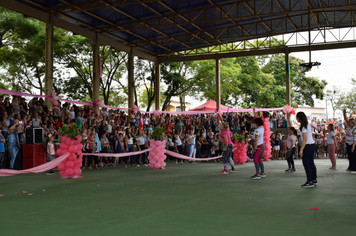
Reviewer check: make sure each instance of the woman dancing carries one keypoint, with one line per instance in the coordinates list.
(259, 148)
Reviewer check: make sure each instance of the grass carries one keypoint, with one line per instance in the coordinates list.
(190, 199)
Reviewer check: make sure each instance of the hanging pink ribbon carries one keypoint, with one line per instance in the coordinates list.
(173, 154)
(98, 103)
(117, 154)
(135, 108)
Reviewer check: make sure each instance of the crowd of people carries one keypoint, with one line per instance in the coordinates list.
(196, 136)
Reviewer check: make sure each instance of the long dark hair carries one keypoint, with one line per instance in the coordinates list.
(303, 120)
(293, 130)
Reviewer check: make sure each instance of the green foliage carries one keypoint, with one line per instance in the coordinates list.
(240, 138)
(71, 130)
(157, 133)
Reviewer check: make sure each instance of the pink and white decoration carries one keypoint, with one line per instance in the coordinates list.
(267, 154)
(240, 152)
(70, 167)
(157, 154)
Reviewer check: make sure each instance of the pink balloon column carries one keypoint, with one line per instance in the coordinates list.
(70, 167)
(156, 156)
(267, 140)
(240, 152)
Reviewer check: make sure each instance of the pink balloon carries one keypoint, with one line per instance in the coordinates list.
(59, 151)
(72, 157)
(73, 149)
(157, 150)
(161, 147)
(155, 157)
(79, 146)
(77, 171)
(69, 171)
(152, 162)
(53, 94)
(78, 165)
(78, 160)
(69, 142)
(158, 143)
(69, 164)
(63, 139)
(79, 138)
(149, 157)
(55, 103)
(152, 142)
(64, 146)
(157, 165)
(79, 152)
(62, 172)
(61, 166)
(160, 161)
(163, 164)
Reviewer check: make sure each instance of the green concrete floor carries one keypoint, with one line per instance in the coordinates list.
(190, 199)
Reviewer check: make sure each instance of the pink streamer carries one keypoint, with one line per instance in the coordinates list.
(173, 154)
(117, 154)
(14, 93)
(37, 169)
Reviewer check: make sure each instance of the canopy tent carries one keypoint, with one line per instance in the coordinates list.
(209, 105)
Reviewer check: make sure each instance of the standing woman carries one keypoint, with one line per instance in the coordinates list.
(259, 148)
(351, 143)
(307, 150)
(227, 147)
(291, 143)
(331, 140)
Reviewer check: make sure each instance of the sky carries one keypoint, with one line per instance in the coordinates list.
(337, 68)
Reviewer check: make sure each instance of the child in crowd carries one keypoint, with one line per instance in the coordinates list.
(50, 152)
(284, 147)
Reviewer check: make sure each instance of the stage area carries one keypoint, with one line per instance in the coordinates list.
(190, 199)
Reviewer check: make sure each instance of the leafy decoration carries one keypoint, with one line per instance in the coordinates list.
(240, 138)
(71, 130)
(157, 134)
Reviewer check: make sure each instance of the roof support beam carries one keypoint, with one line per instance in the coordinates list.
(317, 47)
(43, 16)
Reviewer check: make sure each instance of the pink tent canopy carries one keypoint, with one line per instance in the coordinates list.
(210, 105)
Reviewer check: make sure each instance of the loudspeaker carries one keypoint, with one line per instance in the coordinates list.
(29, 135)
(34, 136)
(38, 135)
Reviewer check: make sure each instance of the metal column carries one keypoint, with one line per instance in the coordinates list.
(131, 78)
(218, 89)
(157, 86)
(49, 60)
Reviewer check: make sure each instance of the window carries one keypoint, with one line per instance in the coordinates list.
(178, 109)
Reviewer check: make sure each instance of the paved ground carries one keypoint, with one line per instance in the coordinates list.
(190, 199)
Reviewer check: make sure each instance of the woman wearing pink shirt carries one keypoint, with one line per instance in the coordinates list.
(227, 147)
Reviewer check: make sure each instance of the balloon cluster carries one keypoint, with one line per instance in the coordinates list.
(156, 156)
(98, 103)
(240, 152)
(70, 167)
(289, 109)
(267, 140)
(54, 99)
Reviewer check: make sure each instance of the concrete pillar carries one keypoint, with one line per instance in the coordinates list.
(49, 60)
(96, 79)
(217, 79)
(157, 86)
(287, 76)
(131, 78)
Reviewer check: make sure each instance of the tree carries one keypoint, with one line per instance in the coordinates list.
(333, 95)
(347, 99)
(204, 78)
(302, 87)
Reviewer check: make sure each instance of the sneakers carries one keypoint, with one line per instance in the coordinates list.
(224, 172)
(145, 165)
(177, 162)
(138, 165)
(50, 173)
(263, 175)
(125, 166)
(288, 170)
(315, 182)
(352, 172)
(308, 185)
(293, 169)
(255, 177)
(232, 171)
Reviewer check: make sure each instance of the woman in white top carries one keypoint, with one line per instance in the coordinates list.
(351, 143)
(307, 150)
(331, 140)
(178, 146)
(192, 145)
(259, 149)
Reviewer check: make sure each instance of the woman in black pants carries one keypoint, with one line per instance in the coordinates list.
(351, 143)
(307, 150)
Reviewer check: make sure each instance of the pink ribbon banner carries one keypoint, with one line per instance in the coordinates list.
(38, 169)
(173, 154)
(117, 154)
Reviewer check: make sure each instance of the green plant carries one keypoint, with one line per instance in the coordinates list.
(70, 131)
(157, 134)
(239, 138)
